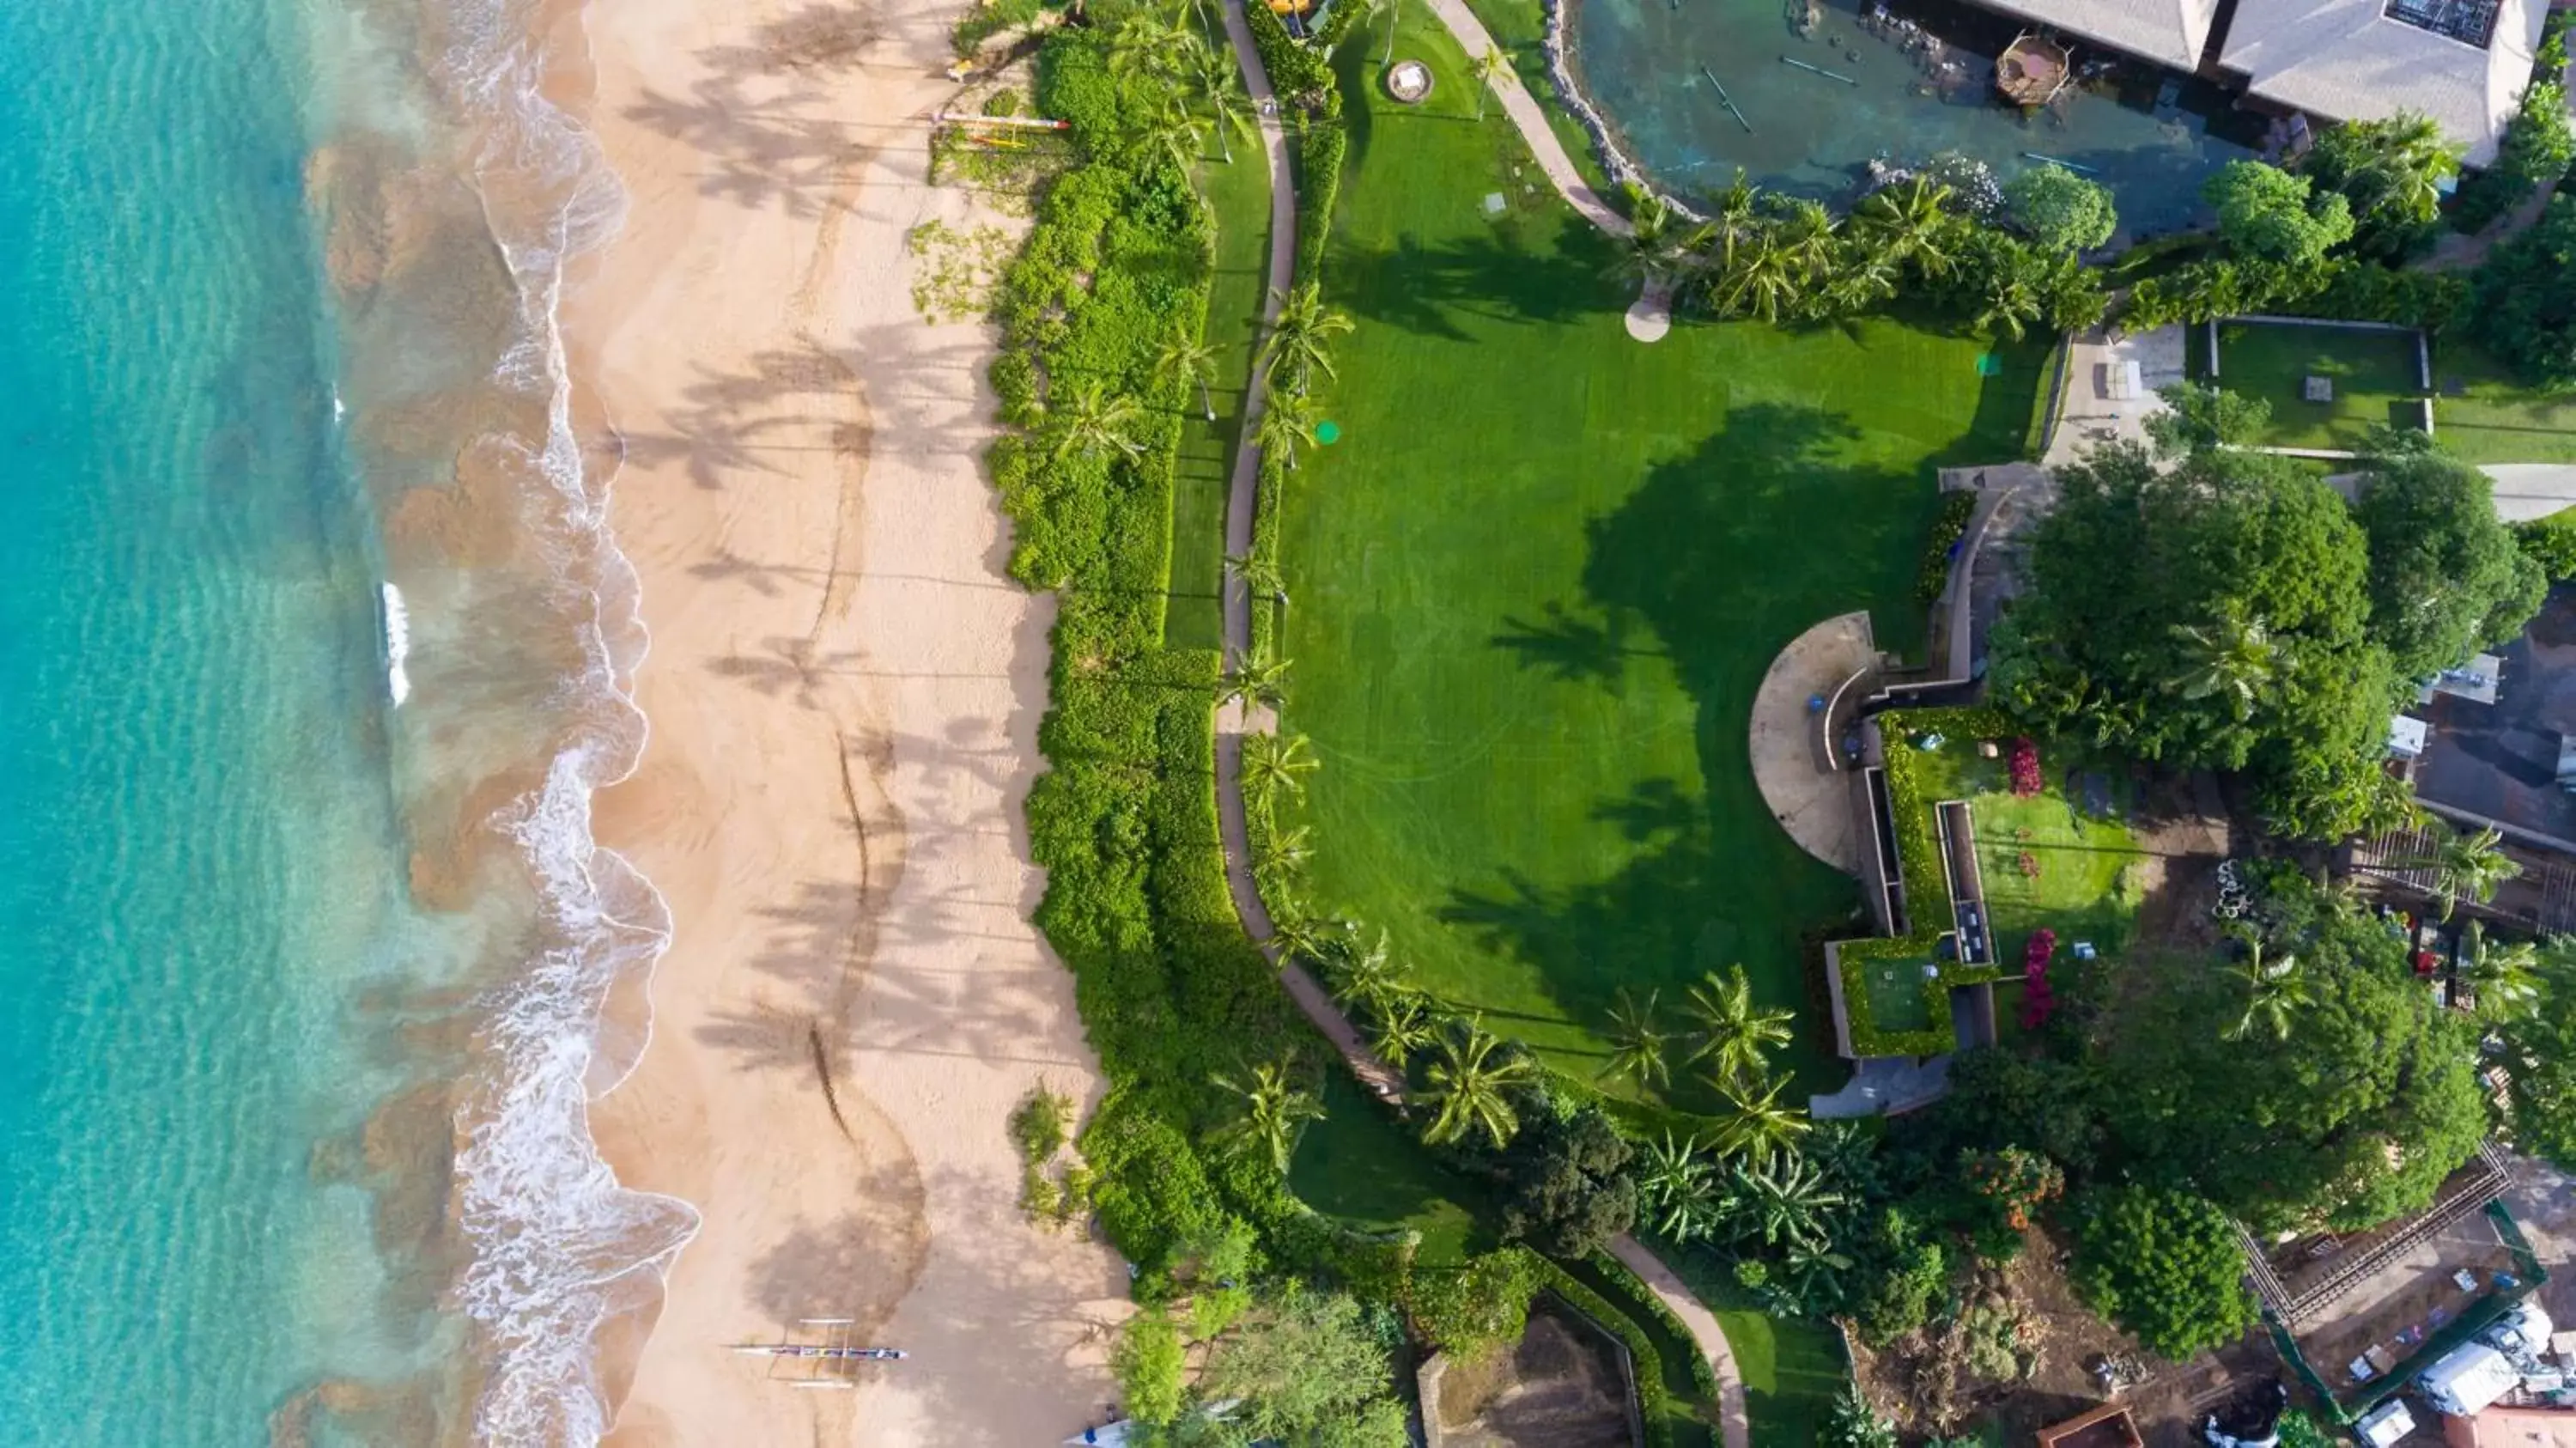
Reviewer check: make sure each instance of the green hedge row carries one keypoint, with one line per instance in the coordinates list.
(1932, 576)
(1655, 1403)
(1301, 71)
(1927, 884)
(1171, 991)
(1320, 151)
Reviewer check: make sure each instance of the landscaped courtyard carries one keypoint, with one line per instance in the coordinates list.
(2374, 375)
(1540, 575)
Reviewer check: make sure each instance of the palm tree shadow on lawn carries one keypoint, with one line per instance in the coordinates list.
(1722, 555)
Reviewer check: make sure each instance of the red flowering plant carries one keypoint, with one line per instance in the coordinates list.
(2026, 780)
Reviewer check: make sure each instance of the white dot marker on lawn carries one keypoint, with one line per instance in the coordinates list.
(1651, 315)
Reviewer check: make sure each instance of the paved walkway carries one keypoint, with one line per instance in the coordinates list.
(1523, 108)
(1734, 1424)
(2525, 491)
(2087, 414)
(1236, 719)
(1805, 792)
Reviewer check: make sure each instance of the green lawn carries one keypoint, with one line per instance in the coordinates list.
(2375, 377)
(1792, 1369)
(1896, 998)
(1360, 1164)
(1240, 196)
(1539, 578)
(2074, 867)
(2494, 419)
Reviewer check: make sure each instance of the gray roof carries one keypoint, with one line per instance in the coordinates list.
(2347, 60)
(2170, 32)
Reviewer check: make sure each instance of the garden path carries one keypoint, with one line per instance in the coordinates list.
(1523, 109)
(1734, 1424)
(1806, 791)
(1238, 717)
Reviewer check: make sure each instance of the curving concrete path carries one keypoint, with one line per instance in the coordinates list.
(1237, 718)
(1805, 792)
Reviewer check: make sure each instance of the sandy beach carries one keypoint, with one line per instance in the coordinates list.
(844, 693)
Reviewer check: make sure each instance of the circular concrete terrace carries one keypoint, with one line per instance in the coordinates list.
(1793, 763)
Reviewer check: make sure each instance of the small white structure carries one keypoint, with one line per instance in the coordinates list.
(2468, 1379)
(2406, 736)
(2385, 1424)
(2127, 382)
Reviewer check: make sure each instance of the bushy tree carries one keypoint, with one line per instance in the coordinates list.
(2061, 210)
(1149, 1363)
(2352, 1117)
(2266, 212)
(2391, 171)
(2163, 1264)
(1307, 1368)
(1571, 1186)
(2525, 309)
(2538, 1054)
(2446, 577)
(2211, 616)
(2201, 417)
(2550, 543)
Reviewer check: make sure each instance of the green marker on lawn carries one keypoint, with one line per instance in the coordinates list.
(1328, 432)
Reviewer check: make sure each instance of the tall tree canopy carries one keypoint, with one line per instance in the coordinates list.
(2061, 210)
(2352, 1116)
(2391, 171)
(2526, 299)
(2165, 1265)
(1571, 1184)
(1305, 1370)
(2446, 576)
(2213, 616)
(2539, 1059)
(2266, 212)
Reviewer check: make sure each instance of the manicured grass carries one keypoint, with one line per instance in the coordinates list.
(1539, 579)
(2497, 420)
(1792, 1368)
(1240, 196)
(1519, 28)
(1896, 998)
(1363, 1166)
(2046, 860)
(2375, 375)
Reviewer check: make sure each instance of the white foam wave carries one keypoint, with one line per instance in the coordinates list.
(558, 1245)
(397, 645)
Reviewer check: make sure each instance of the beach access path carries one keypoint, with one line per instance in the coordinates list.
(1526, 116)
(1239, 716)
(844, 691)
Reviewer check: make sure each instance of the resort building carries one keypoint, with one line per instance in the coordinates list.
(2462, 62)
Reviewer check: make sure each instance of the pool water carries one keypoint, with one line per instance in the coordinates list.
(1915, 80)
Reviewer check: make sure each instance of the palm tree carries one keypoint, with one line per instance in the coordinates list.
(1402, 1028)
(2504, 978)
(1762, 281)
(1262, 577)
(2236, 659)
(1758, 1128)
(1363, 975)
(2466, 867)
(2011, 304)
(1910, 222)
(1282, 866)
(1469, 1086)
(1733, 1032)
(2274, 991)
(1222, 88)
(1095, 421)
(1261, 681)
(1287, 419)
(1273, 1111)
(1299, 936)
(1484, 68)
(1273, 763)
(1786, 1199)
(1297, 339)
(1673, 1182)
(1185, 360)
(1638, 1044)
(1172, 130)
(1807, 232)
(2408, 157)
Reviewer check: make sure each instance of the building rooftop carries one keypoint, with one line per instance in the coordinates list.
(2500, 761)
(2169, 32)
(2462, 62)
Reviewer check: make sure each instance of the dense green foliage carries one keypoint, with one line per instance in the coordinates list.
(1948, 527)
(2269, 214)
(1151, 1366)
(2391, 172)
(2214, 616)
(2526, 299)
(2537, 1049)
(2551, 543)
(2446, 578)
(1855, 1424)
(2061, 210)
(1307, 1369)
(2163, 1264)
(1571, 1188)
(2348, 1115)
(2537, 147)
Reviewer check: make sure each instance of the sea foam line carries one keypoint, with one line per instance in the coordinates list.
(558, 1246)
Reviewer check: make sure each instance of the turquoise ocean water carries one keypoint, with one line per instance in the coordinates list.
(299, 990)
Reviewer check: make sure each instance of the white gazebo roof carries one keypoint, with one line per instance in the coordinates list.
(2169, 32)
(2355, 60)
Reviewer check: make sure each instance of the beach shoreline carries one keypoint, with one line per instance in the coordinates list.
(844, 691)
